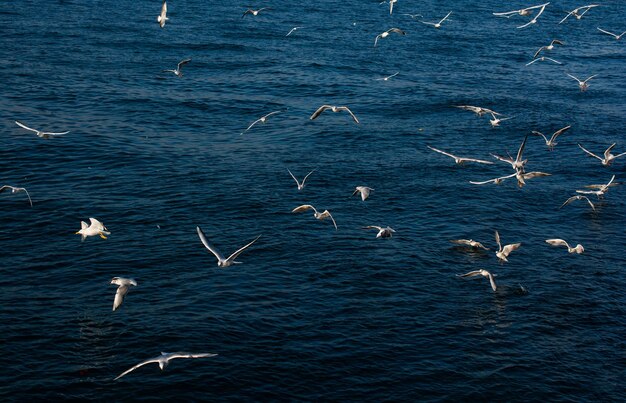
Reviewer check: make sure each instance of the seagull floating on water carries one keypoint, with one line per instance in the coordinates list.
(254, 12)
(503, 252)
(385, 232)
(122, 289)
(320, 216)
(333, 109)
(560, 242)
(469, 242)
(483, 273)
(387, 32)
(582, 84)
(163, 16)
(39, 133)
(548, 47)
(363, 190)
(617, 37)
(300, 185)
(178, 71)
(576, 12)
(15, 190)
(262, 119)
(437, 24)
(459, 160)
(95, 227)
(578, 197)
(608, 156)
(221, 261)
(163, 360)
(551, 143)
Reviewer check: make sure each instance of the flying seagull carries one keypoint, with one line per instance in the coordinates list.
(254, 12)
(477, 110)
(517, 163)
(163, 360)
(483, 273)
(548, 47)
(503, 252)
(363, 190)
(576, 12)
(495, 181)
(578, 197)
(122, 289)
(582, 84)
(413, 16)
(292, 30)
(534, 20)
(608, 156)
(523, 12)
(163, 16)
(460, 160)
(15, 190)
(469, 242)
(221, 261)
(495, 121)
(300, 184)
(95, 227)
(602, 189)
(543, 59)
(385, 232)
(560, 242)
(551, 143)
(388, 77)
(262, 119)
(387, 32)
(39, 133)
(333, 109)
(437, 24)
(178, 71)
(320, 216)
(617, 37)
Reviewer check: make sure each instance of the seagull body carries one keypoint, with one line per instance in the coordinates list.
(534, 20)
(300, 184)
(560, 242)
(163, 16)
(543, 59)
(388, 77)
(459, 160)
(503, 252)
(483, 273)
(578, 197)
(178, 71)
(15, 190)
(495, 121)
(608, 156)
(163, 360)
(122, 289)
(320, 216)
(551, 143)
(617, 37)
(387, 32)
(39, 133)
(254, 12)
(364, 191)
(382, 232)
(495, 181)
(293, 29)
(262, 119)
(602, 189)
(437, 24)
(95, 227)
(582, 84)
(333, 109)
(576, 12)
(221, 261)
(477, 110)
(549, 47)
(517, 163)
(523, 12)
(469, 242)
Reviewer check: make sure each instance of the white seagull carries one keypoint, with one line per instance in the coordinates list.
(388, 77)
(503, 252)
(122, 289)
(95, 227)
(576, 12)
(495, 181)
(221, 261)
(460, 160)
(39, 133)
(254, 12)
(483, 273)
(617, 37)
(333, 109)
(582, 84)
(385, 232)
(534, 20)
(608, 156)
(560, 242)
(262, 119)
(163, 360)
(363, 190)
(300, 184)
(414, 15)
(15, 190)
(517, 163)
(495, 121)
(551, 143)
(522, 177)
(178, 71)
(543, 59)
(523, 12)
(293, 29)
(578, 197)
(320, 216)
(437, 24)
(548, 47)
(477, 110)
(163, 16)
(387, 32)
(469, 242)
(602, 189)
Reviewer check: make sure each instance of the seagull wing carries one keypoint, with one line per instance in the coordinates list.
(252, 124)
(607, 152)
(238, 252)
(428, 23)
(332, 219)
(172, 356)
(294, 178)
(476, 160)
(542, 135)
(442, 152)
(589, 152)
(532, 61)
(141, 364)
(492, 281)
(446, 17)
(31, 202)
(182, 63)
(507, 14)
(607, 32)
(319, 111)
(307, 175)
(589, 78)
(559, 132)
(574, 77)
(510, 248)
(461, 241)
(538, 51)
(498, 240)
(567, 16)
(557, 242)
(483, 183)
(397, 31)
(119, 296)
(552, 60)
(304, 207)
(471, 274)
(611, 181)
(23, 126)
(520, 152)
(345, 108)
(503, 159)
(54, 133)
(210, 247)
(534, 174)
(376, 227)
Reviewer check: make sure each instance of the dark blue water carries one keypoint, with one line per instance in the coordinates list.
(313, 313)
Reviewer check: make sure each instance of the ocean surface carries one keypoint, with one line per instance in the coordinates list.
(312, 314)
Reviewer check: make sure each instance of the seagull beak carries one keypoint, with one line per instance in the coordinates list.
(102, 236)
(77, 233)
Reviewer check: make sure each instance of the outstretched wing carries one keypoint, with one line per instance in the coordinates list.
(559, 132)
(172, 356)
(442, 152)
(470, 274)
(141, 364)
(119, 296)
(345, 108)
(307, 175)
(589, 152)
(304, 207)
(238, 252)
(446, 17)
(510, 248)
(182, 63)
(319, 111)
(294, 178)
(23, 126)
(498, 240)
(492, 281)
(207, 245)
(557, 242)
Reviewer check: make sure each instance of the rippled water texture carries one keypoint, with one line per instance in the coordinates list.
(313, 313)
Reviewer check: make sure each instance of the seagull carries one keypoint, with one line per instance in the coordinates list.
(459, 160)
(578, 197)
(363, 190)
(413, 15)
(549, 47)
(523, 177)
(387, 32)
(437, 24)
(163, 360)
(576, 12)
(122, 289)
(582, 84)
(534, 20)
(163, 16)
(388, 77)
(608, 157)
(543, 59)
(503, 252)
(496, 121)
(334, 109)
(382, 232)
(617, 37)
(483, 273)
(320, 216)
(477, 110)
(43, 135)
(391, 3)
(518, 163)
(293, 29)
(221, 262)
(254, 12)
(496, 181)
(15, 190)
(602, 189)
(469, 242)
(300, 185)
(178, 70)
(95, 227)
(551, 143)
(262, 119)
(559, 242)
(522, 12)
